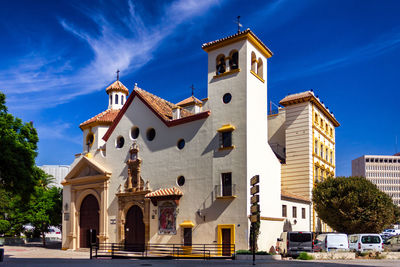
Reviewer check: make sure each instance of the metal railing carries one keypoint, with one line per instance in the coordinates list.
(225, 190)
(201, 251)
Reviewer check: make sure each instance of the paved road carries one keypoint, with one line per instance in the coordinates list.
(37, 256)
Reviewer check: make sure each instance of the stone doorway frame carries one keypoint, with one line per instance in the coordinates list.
(125, 202)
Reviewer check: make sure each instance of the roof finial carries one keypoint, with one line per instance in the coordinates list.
(238, 23)
(117, 75)
(192, 89)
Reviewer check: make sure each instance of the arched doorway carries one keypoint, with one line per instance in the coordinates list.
(88, 221)
(134, 229)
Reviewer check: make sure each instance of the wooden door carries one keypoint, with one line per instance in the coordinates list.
(88, 221)
(134, 229)
(226, 242)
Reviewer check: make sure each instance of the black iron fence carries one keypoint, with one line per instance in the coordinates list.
(201, 251)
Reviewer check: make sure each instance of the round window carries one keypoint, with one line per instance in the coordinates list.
(227, 98)
(151, 134)
(181, 143)
(134, 132)
(120, 142)
(181, 180)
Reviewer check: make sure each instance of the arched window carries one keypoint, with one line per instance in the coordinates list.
(122, 99)
(234, 60)
(253, 61)
(220, 64)
(116, 99)
(110, 99)
(260, 67)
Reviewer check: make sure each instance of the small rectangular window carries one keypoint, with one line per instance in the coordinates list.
(284, 211)
(322, 151)
(294, 211)
(226, 139)
(303, 213)
(187, 237)
(226, 184)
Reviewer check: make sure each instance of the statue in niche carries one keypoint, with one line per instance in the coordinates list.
(134, 182)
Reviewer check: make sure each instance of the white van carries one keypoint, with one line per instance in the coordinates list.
(365, 242)
(331, 242)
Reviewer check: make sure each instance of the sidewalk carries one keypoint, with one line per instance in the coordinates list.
(40, 252)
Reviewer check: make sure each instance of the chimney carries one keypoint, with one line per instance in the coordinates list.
(176, 113)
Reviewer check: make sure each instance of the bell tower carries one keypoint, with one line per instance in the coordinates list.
(237, 98)
(117, 94)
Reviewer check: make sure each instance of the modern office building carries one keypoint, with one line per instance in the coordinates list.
(57, 171)
(383, 171)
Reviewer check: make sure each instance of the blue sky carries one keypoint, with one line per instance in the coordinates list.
(57, 58)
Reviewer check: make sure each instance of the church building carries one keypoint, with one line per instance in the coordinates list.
(154, 172)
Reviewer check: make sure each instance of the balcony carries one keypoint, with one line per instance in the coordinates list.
(225, 191)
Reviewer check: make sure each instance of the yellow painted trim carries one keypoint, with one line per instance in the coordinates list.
(258, 77)
(226, 128)
(226, 73)
(96, 123)
(324, 134)
(219, 230)
(323, 160)
(226, 197)
(248, 36)
(226, 148)
(272, 219)
(89, 155)
(187, 224)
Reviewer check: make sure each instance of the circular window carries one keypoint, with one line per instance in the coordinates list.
(120, 142)
(151, 134)
(181, 180)
(134, 132)
(227, 98)
(181, 143)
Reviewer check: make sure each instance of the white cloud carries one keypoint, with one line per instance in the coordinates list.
(38, 77)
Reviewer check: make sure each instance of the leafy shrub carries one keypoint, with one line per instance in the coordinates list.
(304, 256)
(5, 226)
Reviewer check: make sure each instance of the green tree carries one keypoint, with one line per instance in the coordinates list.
(45, 209)
(354, 205)
(18, 142)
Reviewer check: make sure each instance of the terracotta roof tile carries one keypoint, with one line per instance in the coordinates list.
(294, 196)
(309, 96)
(188, 101)
(106, 117)
(117, 86)
(248, 32)
(161, 106)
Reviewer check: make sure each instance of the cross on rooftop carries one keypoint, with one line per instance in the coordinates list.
(117, 75)
(238, 23)
(192, 89)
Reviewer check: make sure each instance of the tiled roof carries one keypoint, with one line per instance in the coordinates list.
(285, 194)
(239, 35)
(161, 106)
(309, 96)
(117, 86)
(188, 101)
(106, 117)
(298, 96)
(173, 191)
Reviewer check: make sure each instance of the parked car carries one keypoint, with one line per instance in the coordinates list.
(54, 233)
(393, 243)
(365, 242)
(293, 243)
(390, 232)
(331, 242)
